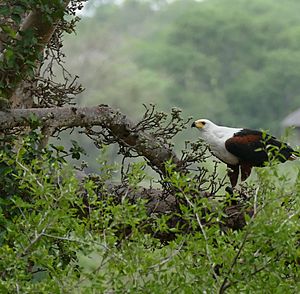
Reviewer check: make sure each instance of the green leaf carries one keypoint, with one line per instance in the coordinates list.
(9, 30)
(76, 150)
(9, 55)
(33, 121)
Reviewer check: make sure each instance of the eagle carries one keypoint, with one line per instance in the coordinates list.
(241, 149)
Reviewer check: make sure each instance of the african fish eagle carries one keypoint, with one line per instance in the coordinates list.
(242, 148)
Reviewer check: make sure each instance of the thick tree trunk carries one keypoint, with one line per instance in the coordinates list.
(42, 27)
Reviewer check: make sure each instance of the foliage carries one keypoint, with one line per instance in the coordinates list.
(58, 235)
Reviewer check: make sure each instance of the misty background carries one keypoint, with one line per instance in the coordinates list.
(235, 62)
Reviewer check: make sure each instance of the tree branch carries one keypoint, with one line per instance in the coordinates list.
(117, 124)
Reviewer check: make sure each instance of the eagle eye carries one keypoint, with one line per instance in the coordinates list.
(203, 122)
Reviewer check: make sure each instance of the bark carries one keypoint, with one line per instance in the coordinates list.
(41, 26)
(118, 125)
(43, 29)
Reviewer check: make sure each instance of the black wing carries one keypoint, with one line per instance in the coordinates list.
(254, 147)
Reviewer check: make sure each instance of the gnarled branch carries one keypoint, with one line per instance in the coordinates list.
(118, 125)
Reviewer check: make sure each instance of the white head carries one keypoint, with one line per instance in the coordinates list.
(216, 136)
(204, 125)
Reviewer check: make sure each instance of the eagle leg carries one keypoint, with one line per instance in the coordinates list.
(245, 171)
(233, 174)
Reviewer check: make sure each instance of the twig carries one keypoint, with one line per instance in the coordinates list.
(165, 260)
(204, 235)
(37, 238)
(225, 283)
(255, 201)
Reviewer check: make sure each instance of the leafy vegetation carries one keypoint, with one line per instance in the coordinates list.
(59, 235)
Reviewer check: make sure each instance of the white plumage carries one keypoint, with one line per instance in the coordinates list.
(216, 136)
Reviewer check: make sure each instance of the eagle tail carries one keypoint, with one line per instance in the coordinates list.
(294, 155)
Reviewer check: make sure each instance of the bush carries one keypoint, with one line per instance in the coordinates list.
(59, 235)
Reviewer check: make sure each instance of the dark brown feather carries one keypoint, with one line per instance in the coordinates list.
(233, 174)
(252, 147)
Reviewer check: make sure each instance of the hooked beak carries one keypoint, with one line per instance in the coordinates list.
(199, 124)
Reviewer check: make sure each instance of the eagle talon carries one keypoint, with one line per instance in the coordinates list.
(229, 190)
